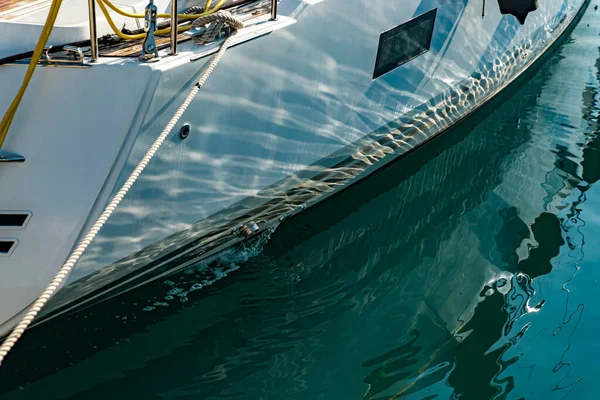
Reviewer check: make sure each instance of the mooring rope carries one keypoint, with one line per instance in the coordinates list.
(68, 266)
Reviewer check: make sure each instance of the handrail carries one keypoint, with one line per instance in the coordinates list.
(93, 31)
(174, 32)
(273, 10)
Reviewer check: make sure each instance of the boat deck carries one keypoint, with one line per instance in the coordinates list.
(245, 10)
(133, 48)
(10, 9)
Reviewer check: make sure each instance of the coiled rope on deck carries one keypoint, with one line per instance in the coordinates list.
(214, 26)
(68, 266)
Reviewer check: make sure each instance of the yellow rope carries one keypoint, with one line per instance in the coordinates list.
(103, 3)
(37, 53)
(132, 37)
(180, 16)
(216, 8)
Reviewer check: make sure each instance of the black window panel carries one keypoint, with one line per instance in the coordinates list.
(5, 246)
(12, 219)
(405, 42)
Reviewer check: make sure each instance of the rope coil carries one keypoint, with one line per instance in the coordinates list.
(68, 266)
(215, 22)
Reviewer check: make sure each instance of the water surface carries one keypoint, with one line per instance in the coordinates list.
(467, 270)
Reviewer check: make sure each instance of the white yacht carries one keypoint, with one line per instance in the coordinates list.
(310, 97)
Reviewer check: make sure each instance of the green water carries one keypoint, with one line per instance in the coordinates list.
(467, 270)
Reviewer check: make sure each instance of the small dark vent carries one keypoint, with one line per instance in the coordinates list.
(403, 43)
(6, 246)
(16, 220)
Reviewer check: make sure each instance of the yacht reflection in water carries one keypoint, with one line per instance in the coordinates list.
(472, 359)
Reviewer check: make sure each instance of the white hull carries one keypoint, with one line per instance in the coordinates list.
(285, 121)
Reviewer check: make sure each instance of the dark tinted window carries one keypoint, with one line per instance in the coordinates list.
(404, 42)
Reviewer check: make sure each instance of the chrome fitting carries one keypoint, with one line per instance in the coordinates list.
(149, 50)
